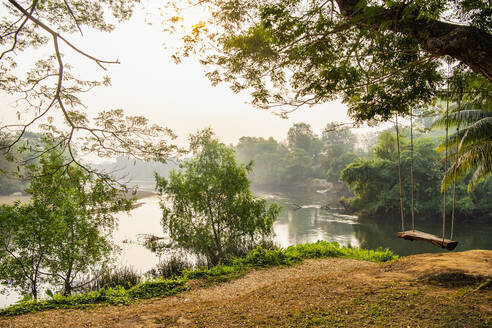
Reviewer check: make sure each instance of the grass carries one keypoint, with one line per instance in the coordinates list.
(231, 268)
(392, 308)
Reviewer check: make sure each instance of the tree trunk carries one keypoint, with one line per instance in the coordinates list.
(34, 290)
(467, 44)
(67, 288)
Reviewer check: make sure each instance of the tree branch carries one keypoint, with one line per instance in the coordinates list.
(467, 44)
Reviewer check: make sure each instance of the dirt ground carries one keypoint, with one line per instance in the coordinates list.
(426, 290)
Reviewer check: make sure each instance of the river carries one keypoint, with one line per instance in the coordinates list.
(306, 221)
(303, 222)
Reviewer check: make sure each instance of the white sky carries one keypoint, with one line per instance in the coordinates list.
(180, 97)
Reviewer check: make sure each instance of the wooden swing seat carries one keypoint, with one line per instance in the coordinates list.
(430, 238)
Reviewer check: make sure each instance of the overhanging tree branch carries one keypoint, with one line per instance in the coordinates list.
(467, 44)
(113, 133)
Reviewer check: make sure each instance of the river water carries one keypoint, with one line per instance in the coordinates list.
(306, 221)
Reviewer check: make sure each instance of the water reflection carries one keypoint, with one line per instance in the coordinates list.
(382, 234)
(304, 220)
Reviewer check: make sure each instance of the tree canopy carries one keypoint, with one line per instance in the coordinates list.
(208, 208)
(48, 92)
(379, 57)
(374, 181)
(63, 231)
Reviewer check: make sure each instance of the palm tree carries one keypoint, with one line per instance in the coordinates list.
(471, 145)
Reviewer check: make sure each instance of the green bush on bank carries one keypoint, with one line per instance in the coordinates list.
(158, 288)
(322, 249)
(262, 257)
(114, 296)
(259, 257)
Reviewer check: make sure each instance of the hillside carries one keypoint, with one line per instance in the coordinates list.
(426, 290)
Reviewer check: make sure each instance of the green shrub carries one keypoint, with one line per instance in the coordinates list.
(172, 267)
(322, 249)
(126, 277)
(115, 296)
(158, 288)
(262, 257)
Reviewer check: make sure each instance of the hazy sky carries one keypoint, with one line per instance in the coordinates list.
(180, 97)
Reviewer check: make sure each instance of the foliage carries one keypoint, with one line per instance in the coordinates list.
(379, 57)
(63, 231)
(158, 288)
(171, 267)
(26, 236)
(48, 90)
(336, 165)
(298, 167)
(208, 208)
(301, 136)
(264, 257)
(11, 172)
(386, 147)
(339, 150)
(261, 257)
(470, 145)
(217, 274)
(374, 182)
(337, 134)
(116, 296)
(269, 159)
(306, 156)
(278, 165)
(125, 277)
(322, 249)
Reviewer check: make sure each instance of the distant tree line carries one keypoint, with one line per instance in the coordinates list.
(302, 157)
(370, 174)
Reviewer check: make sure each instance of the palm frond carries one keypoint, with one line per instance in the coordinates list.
(477, 157)
(477, 132)
(464, 118)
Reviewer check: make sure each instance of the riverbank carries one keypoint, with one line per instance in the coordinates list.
(426, 290)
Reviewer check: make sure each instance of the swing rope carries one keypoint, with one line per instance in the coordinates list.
(411, 169)
(456, 159)
(445, 163)
(399, 173)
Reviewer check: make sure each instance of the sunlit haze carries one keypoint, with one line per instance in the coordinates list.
(180, 97)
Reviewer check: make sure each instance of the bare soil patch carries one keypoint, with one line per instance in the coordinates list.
(316, 293)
